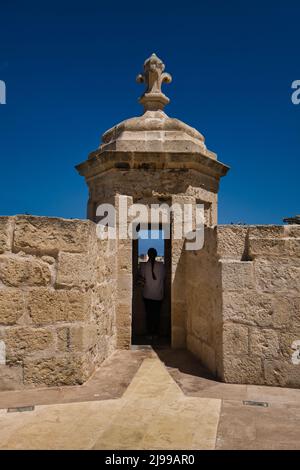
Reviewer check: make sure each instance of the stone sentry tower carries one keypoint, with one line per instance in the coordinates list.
(153, 159)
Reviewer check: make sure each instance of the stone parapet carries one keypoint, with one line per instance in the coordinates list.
(57, 300)
(255, 294)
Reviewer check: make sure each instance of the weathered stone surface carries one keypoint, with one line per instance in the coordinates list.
(237, 275)
(292, 248)
(286, 311)
(264, 342)
(248, 308)
(77, 338)
(68, 369)
(277, 276)
(12, 305)
(75, 269)
(246, 370)
(124, 288)
(125, 259)
(5, 234)
(202, 327)
(19, 270)
(266, 231)
(105, 294)
(11, 378)
(232, 241)
(48, 306)
(281, 373)
(235, 339)
(123, 317)
(266, 247)
(274, 247)
(25, 340)
(260, 300)
(48, 259)
(203, 351)
(123, 338)
(49, 235)
(292, 231)
(287, 340)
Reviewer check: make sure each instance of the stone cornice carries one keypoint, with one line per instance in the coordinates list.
(100, 162)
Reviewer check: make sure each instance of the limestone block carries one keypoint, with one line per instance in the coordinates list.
(48, 306)
(286, 311)
(20, 270)
(75, 269)
(106, 269)
(48, 259)
(202, 327)
(5, 234)
(243, 370)
(11, 378)
(124, 288)
(48, 235)
(63, 339)
(281, 373)
(286, 341)
(203, 351)
(266, 231)
(200, 301)
(277, 275)
(125, 260)
(64, 369)
(77, 338)
(272, 247)
(231, 241)
(266, 246)
(123, 338)
(263, 342)
(105, 293)
(235, 339)
(237, 275)
(292, 231)
(248, 308)
(25, 340)
(12, 305)
(292, 247)
(123, 317)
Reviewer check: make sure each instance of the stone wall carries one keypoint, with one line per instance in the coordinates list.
(204, 303)
(65, 301)
(244, 303)
(57, 300)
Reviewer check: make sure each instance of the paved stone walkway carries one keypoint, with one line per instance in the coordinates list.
(142, 399)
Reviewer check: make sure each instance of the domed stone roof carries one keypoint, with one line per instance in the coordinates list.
(152, 140)
(154, 131)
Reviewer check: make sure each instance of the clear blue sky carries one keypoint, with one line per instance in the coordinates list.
(70, 70)
(151, 239)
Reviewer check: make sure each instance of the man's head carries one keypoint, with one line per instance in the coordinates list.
(152, 253)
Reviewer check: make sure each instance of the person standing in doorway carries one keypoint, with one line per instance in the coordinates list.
(153, 275)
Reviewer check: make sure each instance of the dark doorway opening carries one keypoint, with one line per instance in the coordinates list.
(151, 238)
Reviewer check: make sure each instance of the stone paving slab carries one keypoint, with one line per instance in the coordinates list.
(252, 427)
(241, 426)
(153, 413)
(145, 399)
(109, 381)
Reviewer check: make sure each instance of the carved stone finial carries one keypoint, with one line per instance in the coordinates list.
(153, 98)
